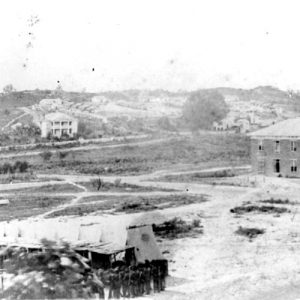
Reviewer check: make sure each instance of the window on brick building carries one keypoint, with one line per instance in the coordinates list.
(293, 146)
(260, 145)
(294, 165)
(277, 146)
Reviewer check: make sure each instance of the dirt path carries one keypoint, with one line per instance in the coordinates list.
(13, 120)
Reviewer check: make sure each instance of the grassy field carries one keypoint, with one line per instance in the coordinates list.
(120, 187)
(24, 206)
(205, 150)
(55, 188)
(128, 204)
(210, 177)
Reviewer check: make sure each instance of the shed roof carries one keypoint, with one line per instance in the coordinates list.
(286, 129)
(103, 248)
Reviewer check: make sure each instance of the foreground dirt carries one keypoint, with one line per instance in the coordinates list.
(220, 264)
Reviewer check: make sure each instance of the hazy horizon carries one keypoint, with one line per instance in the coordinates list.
(171, 45)
(156, 89)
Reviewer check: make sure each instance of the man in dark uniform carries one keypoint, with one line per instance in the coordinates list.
(155, 275)
(142, 279)
(147, 272)
(125, 282)
(131, 281)
(136, 281)
(117, 284)
(104, 276)
(111, 284)
(163, 274)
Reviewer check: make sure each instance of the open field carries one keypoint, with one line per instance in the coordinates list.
(126, 204)
(27, 205)
(211, 177)
(202, 151)
(46, 189)
(117, 186)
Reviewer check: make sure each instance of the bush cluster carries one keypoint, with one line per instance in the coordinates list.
(176, 228)
(17, 167)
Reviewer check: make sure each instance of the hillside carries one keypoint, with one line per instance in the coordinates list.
(263, 94)
(129, 111)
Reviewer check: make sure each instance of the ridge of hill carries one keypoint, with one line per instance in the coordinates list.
(266, 94)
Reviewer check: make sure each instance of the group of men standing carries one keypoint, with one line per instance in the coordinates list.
(133, 281)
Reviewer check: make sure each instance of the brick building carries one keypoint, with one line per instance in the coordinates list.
(275, 150)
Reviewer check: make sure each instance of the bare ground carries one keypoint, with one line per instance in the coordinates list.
(220, 264)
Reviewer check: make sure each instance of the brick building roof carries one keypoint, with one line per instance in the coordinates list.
(285, 129)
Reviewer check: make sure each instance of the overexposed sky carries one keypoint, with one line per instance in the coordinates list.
(169, 44)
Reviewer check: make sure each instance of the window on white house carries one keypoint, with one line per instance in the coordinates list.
(70, 131)
(70, 123)
(294, 165)
(277, 146)
(260, 145)
(293, 146)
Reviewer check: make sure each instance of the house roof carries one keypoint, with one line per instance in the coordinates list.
(58, 116)
(285, 129)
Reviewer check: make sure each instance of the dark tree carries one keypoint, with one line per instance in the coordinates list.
(8, 89)
(203, 108)
(55, 273)
(97, 183)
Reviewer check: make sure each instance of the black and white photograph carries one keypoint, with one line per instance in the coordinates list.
(150, 149)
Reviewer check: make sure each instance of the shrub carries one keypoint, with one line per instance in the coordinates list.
(165, 124)
(249, 232)
(21, 166)
(276, 201)
(176, 227)
(256, 208)
(96, 183)
(6, 168)
(117, 182)
(196, 223)
(62, 155)
(46, 155)
(83, 130)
